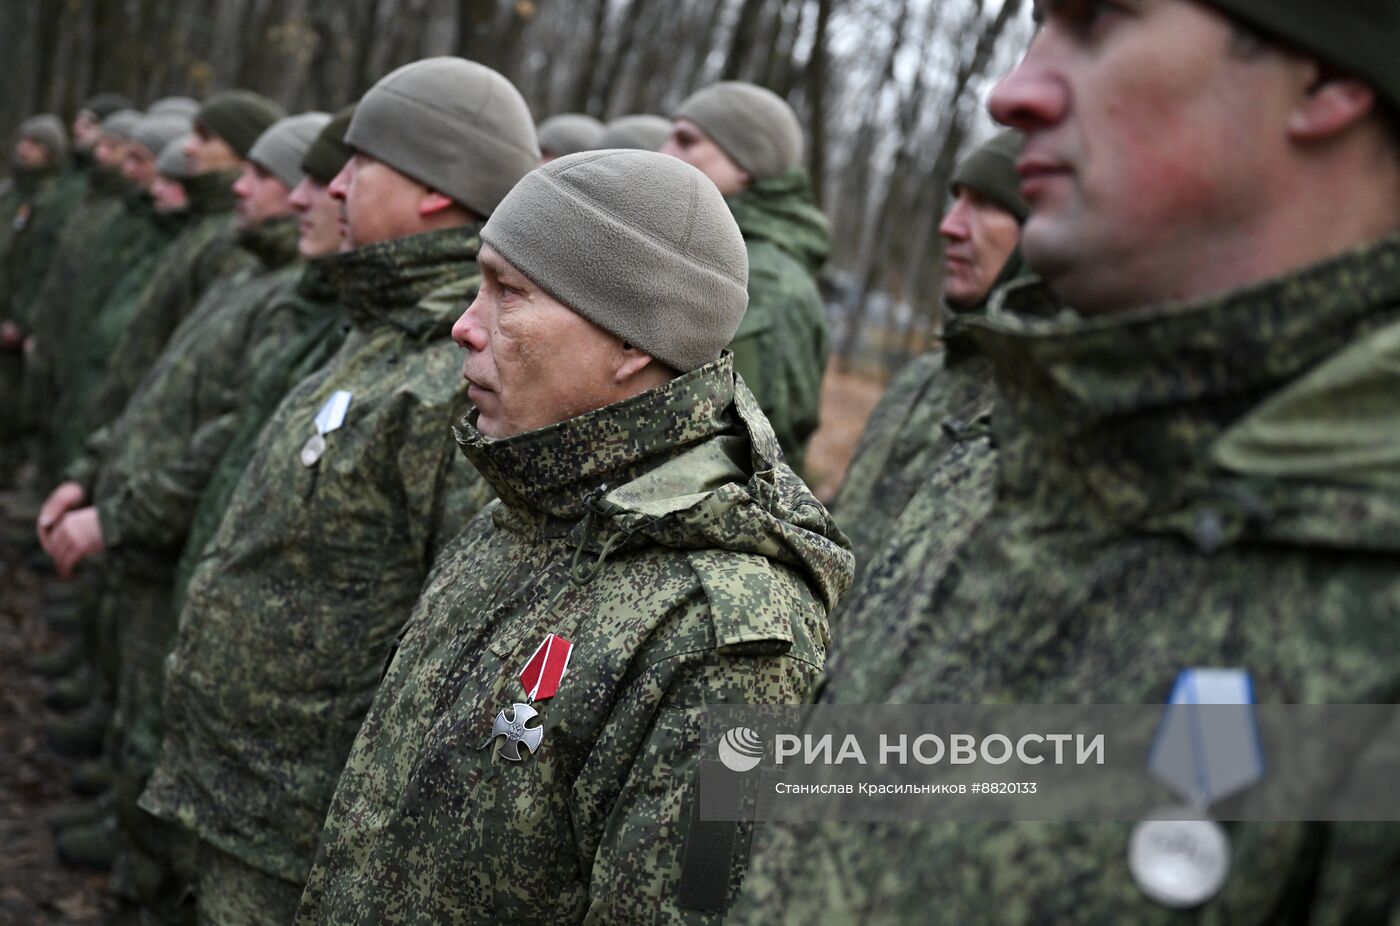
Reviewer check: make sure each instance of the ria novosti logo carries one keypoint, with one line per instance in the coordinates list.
(740, 749)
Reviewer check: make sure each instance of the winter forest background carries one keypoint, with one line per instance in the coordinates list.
(890, 90)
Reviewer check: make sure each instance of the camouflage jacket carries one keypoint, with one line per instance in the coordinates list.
(88, 299)
(297, 599)
(26, 241)
(938, 399)
(207, 248)
(782, 343)
(312, 326)
(154, 461)
(1181, 486)
(686, 566)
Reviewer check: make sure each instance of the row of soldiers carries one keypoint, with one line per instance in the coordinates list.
(426, 671)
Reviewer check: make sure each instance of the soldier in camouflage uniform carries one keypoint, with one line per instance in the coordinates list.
(146, 471)
(354, 487)
(645, 518)
(316, 328)
(749, 142)
(568, 133)
(26, 237)
(943, 397)
(208, 248)
(1196, 466)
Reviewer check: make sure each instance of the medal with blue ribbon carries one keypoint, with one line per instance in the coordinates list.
(1207, 749)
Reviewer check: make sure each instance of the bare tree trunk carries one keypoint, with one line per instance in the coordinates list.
(584, 85)
(742, 41)
(816, 87)
(702, 50)
(605, 92)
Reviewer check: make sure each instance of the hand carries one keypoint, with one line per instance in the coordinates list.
(61, 500)
(74, 539)
(11, 337)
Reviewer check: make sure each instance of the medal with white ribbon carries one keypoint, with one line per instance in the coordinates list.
(1207, 749)
(330, 417)
(540, 678)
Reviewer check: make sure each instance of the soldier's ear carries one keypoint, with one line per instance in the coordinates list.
(433, 202)
(1331, 106)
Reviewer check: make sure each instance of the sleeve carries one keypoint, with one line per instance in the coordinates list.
(645, 867)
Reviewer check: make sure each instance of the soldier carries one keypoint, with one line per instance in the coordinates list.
(317, 328)
(353, 488)
(207, 249)
(749, 142)
(26, 235)
(151, 466)
(648, 537)
(945, 396)
(1187, 468)
(643, 132)
(568, 133)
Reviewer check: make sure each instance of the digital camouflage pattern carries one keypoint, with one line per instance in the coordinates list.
(295, 603)
(151, 465)
(688, 567)
(935, 401)
(206, 249)
(315, 327)
(783, 341)
(1141, 526)
(92, 303)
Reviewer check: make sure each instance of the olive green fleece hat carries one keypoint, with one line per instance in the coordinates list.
(328, 152)
(120, 123)
(280, 149)
(451, 124)
(754, 126)
(569, 133)
(102, 105)
(1358, 37)
(173, 161)
(47, 129)
(153, 131)
(990, 171)
(641, 244)
(643, 132)
(238, 117)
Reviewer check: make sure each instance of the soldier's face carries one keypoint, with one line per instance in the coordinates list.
(261, 196)
(139, 165)
(377, 203)
(1146, 128)
(207, 152)
(978, 238)
(319, 219)
(531, 360)
(86, 131)
(110, 152)
(29, 153)
(693, 146)
(168, 194)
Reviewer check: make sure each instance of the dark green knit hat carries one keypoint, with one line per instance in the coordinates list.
(239, 117)
(990, 171)
(1357, 36)
(103, 105)
(328, 153)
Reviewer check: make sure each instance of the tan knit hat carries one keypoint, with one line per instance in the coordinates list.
(641, 244)
(755, 127)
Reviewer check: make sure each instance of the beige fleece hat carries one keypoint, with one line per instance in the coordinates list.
(755, 127)
(455, 125)
(641, 244)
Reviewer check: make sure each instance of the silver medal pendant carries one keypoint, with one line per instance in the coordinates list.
(515, 731)
(312, 450)
(1179, 859)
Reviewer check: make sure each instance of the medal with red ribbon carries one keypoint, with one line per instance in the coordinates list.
(540, 678)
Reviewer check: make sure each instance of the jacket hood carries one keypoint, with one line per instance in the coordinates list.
(781, 210)
(387, 283)
(691, 465)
